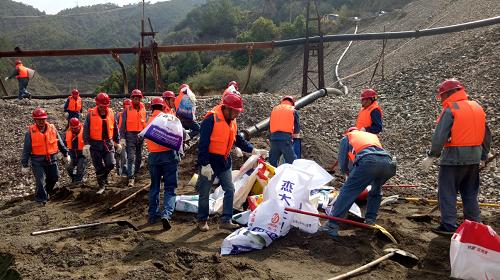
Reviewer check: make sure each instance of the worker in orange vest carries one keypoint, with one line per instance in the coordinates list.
(121, 156)
(370, 115)
(284, 126)
(219, 132)
(169, 100)
(101, 137)
(133, 122)
(362, 157)
(42, 142)
(74, 142)
(73, 105)
(463, 134)
(22, 76)
(163, 163)
(185, 109)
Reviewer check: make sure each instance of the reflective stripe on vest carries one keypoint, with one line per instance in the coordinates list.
(136, 119)
(282, 119)
(23, 71)
(223, 135)
(43, 144)
(469, 122)
(70, 138)
(152, 146)
(96, 124)
(360, 140)
(364, 115)
(74, 105)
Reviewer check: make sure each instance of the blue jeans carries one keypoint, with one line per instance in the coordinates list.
(23, 84)
(204, 185)
(76, 168)
(134, 153)
(372, 170)
(453, 179)
(162, 164)
(281, 147)
(46, 177)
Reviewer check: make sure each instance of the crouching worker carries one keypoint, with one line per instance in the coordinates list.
(218, 134)
(100, 135)
(163, 163)
(74, 141)
(42, 142)
(371, 165)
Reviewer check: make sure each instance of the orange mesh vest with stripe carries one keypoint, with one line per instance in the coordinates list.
(282, 119)
(136, 120)
(96, 124)
(75, 105)
(70, 137)
(23, 71)
(43, 144)
(152, 146)
(223, 134)
(469, 121)
(364, 118)
(360, 140)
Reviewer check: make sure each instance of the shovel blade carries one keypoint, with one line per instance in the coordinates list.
(385, 233)
(407, 259)
(127, 224)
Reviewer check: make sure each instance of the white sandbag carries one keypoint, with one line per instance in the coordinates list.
(187, 106)
(320, 175)
(306, 223)
(189, 203)
(218, 193)
(31, 73)
(240, 241)
(165, 130)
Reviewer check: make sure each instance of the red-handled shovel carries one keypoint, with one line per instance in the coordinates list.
(346, 221)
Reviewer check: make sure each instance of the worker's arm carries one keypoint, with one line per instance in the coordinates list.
(296, 122)
(66, 104)
(86, 130)
(376, 126)
(116, 132)
(26, 150)
(124, 123)
(486, 144)
(60, 144)
(207, 126)
(14, 73)
(243, 144)
(441, 133)
(343, 160)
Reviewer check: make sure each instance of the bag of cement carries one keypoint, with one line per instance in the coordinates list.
(240, 241)
(187, 106)
(242, 218)
(189, 203)
(306, 223)
(165, 130)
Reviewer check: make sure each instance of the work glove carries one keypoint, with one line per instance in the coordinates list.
(6, 78)
(67, 159)
(260, 152)
(123, 143)
(118, 148)
(491, 165)
(66, 114)
(186, 135)
(86, 151)
(427, 163)
(206, 170)
(238, 152)
(25, 170)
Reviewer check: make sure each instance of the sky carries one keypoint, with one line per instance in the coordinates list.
(52, 7)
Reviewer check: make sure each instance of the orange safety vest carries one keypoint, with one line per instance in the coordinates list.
(96, 124)
(360, 140)
(136, 119)
(469, 121)
(223, 135)
(178, 99)
(282, 118)
(43, 144)
(152, 146)
(70, 137)
(23, 71)
(364, 118)
(75, 105)
(120, 114)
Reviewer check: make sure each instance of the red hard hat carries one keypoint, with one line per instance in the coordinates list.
(368, 93)
(289, 97)
(168, 94)
(233, 101)
(127, 102)
(158, 101)
(18, 61)
(136, 92)
(183, 86)
(102, 99)
(233, 83)
(449, 85)
(75, 92)
(39, 114)
(74, 122)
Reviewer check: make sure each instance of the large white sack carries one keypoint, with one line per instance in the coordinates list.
(165, 130)
(320, 176)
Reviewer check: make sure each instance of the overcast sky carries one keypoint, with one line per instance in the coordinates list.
(54, 6)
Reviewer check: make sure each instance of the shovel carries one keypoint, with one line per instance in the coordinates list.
(423, 217)
(121, 202)
(118, 222)
(407, 259)
(346, 221)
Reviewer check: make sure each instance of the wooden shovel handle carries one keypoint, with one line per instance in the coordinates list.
(361, 268)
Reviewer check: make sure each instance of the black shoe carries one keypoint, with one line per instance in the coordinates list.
(441, 230)
(166, 224)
